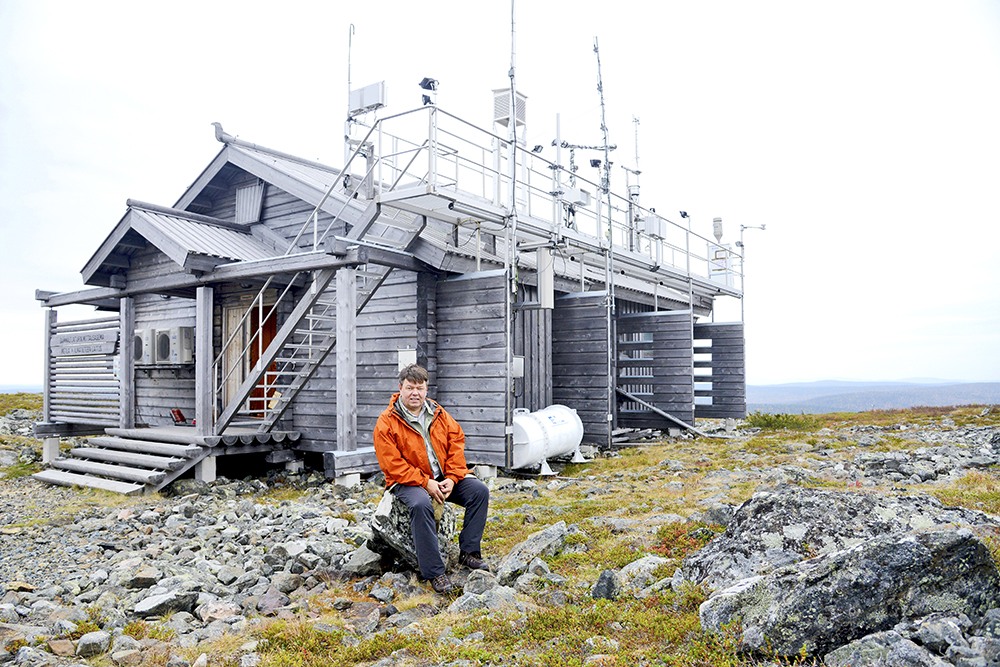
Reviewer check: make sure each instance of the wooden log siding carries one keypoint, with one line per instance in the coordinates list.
(472, 361)
(655, 364)
(533, 341)
(580, 361)
(81, 387)
(387, 323)
(726, 357)
(159, 389)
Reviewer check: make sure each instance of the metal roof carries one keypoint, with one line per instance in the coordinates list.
(202, 238)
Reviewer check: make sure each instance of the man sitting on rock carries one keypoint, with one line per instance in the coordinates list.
(421, 450)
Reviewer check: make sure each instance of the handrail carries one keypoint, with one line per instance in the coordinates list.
(538, 181)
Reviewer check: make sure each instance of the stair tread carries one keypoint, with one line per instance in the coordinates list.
(125, 473)
(72, 479)
(147, 447)
(117, 456)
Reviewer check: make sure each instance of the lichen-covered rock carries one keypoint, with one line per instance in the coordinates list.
(788, 524)
(819, 604)
(391, 534)
(546, 542)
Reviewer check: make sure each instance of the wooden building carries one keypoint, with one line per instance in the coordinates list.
(273, 303)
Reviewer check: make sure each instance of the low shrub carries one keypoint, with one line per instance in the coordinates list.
(777, 422)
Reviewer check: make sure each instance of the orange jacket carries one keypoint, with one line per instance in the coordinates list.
(401, 452)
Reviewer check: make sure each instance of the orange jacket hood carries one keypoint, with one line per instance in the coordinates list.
(402, 455)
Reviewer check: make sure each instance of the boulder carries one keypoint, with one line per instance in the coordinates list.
(166, 603)
(608, 586)
(819, 604)
(787, 524)
(546, 542)
(93, 643)
(391, 535)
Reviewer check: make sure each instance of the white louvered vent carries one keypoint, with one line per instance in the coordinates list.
(501, 107)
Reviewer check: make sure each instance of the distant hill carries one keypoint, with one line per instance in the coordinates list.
(837, 396)
(20, 388)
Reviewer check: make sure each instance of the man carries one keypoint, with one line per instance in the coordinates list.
(421, 450)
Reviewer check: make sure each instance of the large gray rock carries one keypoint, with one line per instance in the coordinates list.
(546, 542)
(93, 643)
(391, 533)
(166, 603)
(828, 601)
(788, 524)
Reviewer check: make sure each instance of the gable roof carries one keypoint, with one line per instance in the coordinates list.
(194, 242)
(305, 179)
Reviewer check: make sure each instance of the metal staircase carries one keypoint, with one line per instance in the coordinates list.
(309, 332)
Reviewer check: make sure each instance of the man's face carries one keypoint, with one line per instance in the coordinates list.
(413, 395)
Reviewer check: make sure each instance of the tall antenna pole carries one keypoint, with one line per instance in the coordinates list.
(347, 123)
(636, 121)
(511, 237)
(609, 261)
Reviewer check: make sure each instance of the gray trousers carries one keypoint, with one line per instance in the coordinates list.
(471, 494)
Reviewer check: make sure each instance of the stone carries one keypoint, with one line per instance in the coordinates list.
(640, 573)
(93, 643)
(391, 534)
(546, 542)
(608, 586)
(363, 562)
(166, 603)
(271, 601)
(217, 610)
(498, 598)
(783, 526)
(819, 604)
(286, 582)
(63, 647)
(479, 581)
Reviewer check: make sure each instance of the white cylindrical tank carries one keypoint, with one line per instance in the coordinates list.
(543, 434)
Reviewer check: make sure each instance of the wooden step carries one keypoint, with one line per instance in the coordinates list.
(63, 478)
(127, 458)
(147, 447)
(153, 477)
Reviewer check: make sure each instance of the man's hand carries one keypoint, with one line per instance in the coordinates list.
(433, 488)
(439, 491)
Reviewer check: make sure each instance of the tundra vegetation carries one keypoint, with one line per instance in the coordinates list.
(661, 629)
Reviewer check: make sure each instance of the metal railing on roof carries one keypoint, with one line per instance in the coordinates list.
(452, 156)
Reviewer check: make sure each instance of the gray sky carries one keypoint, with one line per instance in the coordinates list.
(863, 134)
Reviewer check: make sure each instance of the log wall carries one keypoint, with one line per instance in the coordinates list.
(580, 361)
(472, 361)
(725, 358)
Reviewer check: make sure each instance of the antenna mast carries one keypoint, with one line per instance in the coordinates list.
(609, 257)
(347, 123)
(511, 254)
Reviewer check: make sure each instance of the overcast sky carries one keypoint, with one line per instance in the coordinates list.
(865, 135)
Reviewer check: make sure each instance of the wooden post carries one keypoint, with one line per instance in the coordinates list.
(347, 361)
(50, 449)
(204, 397)
(50, 322)
(126, 363)
(204, 470)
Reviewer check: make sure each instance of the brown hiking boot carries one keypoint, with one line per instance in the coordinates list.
(472, 561)
(442, 584)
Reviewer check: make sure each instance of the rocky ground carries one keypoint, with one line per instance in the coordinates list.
(218, 561)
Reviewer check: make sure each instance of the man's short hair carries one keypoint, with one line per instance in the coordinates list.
(415, 374)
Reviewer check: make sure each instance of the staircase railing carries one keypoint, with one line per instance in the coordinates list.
(311, 344)
(240, 361)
